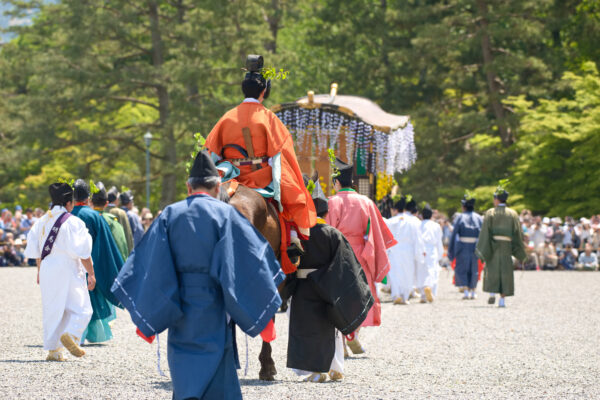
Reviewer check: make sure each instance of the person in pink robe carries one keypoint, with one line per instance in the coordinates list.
(358, 218)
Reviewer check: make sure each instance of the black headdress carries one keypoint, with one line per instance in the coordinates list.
(254, 76)
(427, 212)
(100, 196)
(344, 175)
(81, 190)
(468, 203)
(126, 197)
(112, 194)
(501, 193)
(400, 205)
(411, 205)
(203, 166)
(320, 200)
(60, 193)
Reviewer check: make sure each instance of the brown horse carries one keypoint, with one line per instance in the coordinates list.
(263, 216)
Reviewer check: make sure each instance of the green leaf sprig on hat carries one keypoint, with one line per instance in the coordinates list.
(93, 188)
(469, 195)
(124, 189)
(199, 146)
(69, 182)
(334, 168)
(409, 198)
(502, 185)
(274, 73)
(311, 186)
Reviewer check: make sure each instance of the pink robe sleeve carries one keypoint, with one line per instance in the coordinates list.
(379, 240)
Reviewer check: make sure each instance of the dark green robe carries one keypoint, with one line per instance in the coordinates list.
(498, 274)
(107, 264)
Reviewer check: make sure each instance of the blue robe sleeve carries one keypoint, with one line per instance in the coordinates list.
(453, 239)
(147, 285)
(248, 272)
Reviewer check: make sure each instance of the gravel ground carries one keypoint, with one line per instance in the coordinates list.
(543, 345)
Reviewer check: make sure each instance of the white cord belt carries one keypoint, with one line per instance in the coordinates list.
(502, 238)
(303, 273)
(468, 239)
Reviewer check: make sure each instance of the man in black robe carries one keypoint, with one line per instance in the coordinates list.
(329, 292)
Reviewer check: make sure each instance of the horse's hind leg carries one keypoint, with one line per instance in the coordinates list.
(267, 365)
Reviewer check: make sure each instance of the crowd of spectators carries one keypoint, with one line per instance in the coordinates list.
(13, 234)
(556, 244)
(15, 226)
(551, 243)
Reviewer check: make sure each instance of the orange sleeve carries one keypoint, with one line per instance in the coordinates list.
(295, 198)
(214, 142)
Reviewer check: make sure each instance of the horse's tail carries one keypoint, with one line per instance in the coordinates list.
(224, 196)
(224, 193)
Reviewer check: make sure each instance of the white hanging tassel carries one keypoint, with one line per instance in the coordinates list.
(246, 368)
(160, 371)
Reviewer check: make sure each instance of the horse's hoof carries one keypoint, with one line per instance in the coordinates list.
(263, 376)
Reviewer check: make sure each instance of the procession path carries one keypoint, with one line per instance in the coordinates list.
(545, 344)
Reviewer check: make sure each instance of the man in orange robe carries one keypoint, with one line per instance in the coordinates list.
(254, 140)
(358, 218)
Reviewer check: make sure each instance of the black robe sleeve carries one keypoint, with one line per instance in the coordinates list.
(343, 285)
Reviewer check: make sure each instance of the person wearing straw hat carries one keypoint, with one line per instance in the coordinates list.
(500, 238)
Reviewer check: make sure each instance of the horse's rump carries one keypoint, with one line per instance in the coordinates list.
(259, 211)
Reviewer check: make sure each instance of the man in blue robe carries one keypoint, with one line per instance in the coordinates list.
(462, 247)
(107, 264)
(200, 269)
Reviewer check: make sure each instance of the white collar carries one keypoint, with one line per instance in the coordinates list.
(250, 100)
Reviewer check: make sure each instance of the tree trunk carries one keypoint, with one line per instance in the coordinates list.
(273, 19)
(491, 77)
(169, 164)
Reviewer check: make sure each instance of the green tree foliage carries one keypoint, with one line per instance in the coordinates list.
(83, 83)
(558, 171)
(89, 78)
(449, 65)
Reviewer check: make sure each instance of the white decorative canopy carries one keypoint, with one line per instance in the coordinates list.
(389, 137)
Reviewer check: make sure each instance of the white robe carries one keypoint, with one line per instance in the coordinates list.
(431, 233)
(66, 306)
(406, 257)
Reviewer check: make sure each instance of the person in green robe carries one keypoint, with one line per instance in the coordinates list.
(107, 264)
(99, 201)
(113, 208)
(500, 238)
